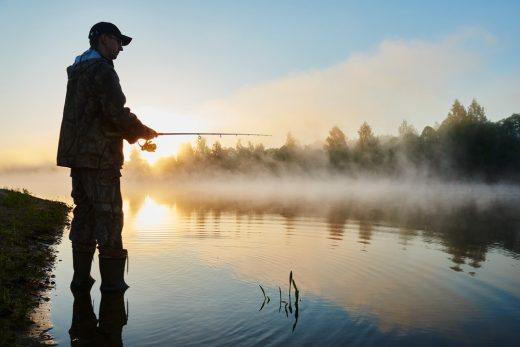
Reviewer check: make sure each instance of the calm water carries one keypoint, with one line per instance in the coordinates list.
(368, 273)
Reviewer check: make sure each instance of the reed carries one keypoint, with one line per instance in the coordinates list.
(287, 304)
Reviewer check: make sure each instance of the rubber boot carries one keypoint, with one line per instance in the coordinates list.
(82, 262)
(112, 269)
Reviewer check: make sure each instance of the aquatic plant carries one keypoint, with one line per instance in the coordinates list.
(266, 298)
(287, 304)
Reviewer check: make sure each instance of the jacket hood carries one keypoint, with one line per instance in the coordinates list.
(87, 55)
(83, 61)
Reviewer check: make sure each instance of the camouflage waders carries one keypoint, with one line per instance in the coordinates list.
(98, 215)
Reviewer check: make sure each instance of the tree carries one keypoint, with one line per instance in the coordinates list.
(250, 147)
(428, 134)
(259, 149)
(409, 142)
(288, 151)
(217, 151)
(509, 145)
(406, 129)
(366, 136)
(201, 148)
(476, 112)
(511, 125)
(290, 142)
(429, 147)
(457, 115)
(336, 147)
(368, 152)
(457, 112)
(467, 141)
(336, 139)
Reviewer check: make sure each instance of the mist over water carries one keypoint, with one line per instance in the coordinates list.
(323, 193)
(413, 201)
(319, 192)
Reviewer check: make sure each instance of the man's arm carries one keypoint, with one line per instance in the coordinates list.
(113, 104)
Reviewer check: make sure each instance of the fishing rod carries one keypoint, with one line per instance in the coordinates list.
(149, 146)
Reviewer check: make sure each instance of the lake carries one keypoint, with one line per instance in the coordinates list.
(301, 263)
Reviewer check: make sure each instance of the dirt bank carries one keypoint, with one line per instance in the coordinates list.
(29, 229)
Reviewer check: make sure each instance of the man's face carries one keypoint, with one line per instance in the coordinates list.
(111, 46)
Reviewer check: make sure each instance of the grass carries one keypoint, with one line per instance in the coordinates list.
(29, 226)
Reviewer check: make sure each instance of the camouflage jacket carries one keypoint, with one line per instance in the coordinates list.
(95, 121)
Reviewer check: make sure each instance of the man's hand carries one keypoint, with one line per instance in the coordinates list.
(149, 133)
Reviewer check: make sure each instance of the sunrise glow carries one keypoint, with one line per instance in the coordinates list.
(242, 173)
(152, 216)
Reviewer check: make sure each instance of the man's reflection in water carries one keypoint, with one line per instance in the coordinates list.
(86, 330)
(83, 330)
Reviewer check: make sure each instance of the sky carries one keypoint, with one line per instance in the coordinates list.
(261, 66)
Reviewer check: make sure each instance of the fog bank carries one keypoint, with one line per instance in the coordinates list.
(326, 191)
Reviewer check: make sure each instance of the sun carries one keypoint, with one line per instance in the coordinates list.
(166, 147)
(164, 120)
(152, 157)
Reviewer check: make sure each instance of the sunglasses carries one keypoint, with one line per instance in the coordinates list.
(119, 41)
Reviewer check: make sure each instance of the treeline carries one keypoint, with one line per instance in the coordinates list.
(466, 145)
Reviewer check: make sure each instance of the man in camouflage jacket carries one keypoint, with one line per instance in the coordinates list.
(95, 122)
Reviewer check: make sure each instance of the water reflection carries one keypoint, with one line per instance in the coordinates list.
(389, 262)
(336, 221)
(87, 330)
(365, 232)
(467, 232)
(406, 235)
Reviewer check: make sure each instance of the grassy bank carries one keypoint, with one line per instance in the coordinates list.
(29, 226)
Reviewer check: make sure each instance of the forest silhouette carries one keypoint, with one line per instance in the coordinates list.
(464, 146)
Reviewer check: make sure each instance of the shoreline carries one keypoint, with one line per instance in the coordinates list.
(30, 228)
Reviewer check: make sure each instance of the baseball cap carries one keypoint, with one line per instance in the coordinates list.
(108, 28)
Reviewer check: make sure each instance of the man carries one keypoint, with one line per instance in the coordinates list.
(95, 122)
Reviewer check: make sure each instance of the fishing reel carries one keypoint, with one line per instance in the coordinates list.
(148, 146)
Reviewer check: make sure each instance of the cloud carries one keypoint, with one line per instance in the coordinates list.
(413, 80)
